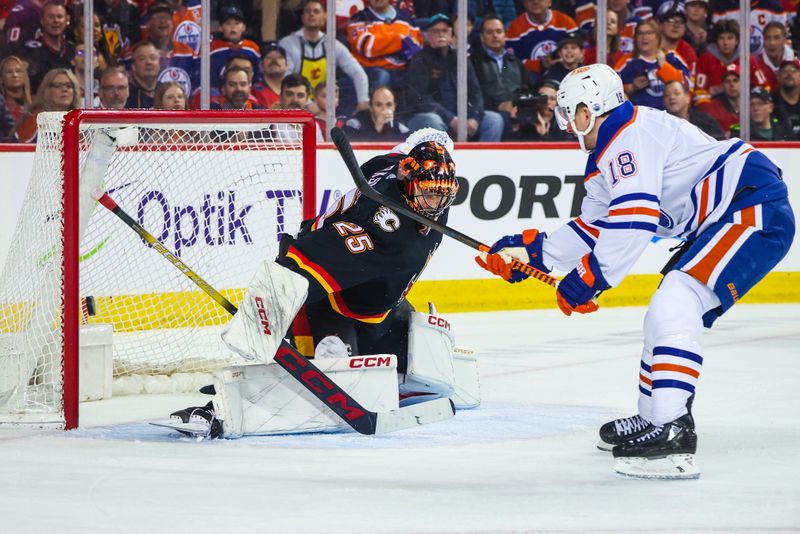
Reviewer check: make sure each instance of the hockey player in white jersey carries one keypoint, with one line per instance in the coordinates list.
(649, 173)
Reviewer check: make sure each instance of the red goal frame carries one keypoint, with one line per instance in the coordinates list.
(70, 311)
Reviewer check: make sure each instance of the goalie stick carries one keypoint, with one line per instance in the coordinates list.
(300, 367)
(346, 151)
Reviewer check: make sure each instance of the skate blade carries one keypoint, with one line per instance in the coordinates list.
(672, 467)
(603, 446)
(193, 429)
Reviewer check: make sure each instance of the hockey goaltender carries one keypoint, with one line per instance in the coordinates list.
(337, 293)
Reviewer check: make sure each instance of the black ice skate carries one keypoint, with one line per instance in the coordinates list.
(619, 431)
(195, 421)
(664, 452)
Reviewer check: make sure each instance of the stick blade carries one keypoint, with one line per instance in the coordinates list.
(414, 416)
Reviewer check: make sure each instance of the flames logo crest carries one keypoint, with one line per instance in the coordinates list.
(386, 219)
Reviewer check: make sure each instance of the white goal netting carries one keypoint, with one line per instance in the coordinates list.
(216, 195)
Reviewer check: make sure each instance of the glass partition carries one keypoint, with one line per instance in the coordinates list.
(379, 68)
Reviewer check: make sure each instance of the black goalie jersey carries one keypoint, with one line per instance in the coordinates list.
(359, 256)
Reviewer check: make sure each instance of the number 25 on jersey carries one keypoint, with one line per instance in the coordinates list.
(357, 241)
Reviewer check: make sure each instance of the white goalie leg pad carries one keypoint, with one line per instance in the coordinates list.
(256, 400)
(273, 298)
(430, 357)
(467, 387)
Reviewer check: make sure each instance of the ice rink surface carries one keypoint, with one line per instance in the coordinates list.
(523, 462)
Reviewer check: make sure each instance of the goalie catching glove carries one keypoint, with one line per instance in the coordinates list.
(525, 247)
(576, 292)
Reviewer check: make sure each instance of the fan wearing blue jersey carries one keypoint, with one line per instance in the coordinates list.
(534, 34)
(649, 174)
(648, 68)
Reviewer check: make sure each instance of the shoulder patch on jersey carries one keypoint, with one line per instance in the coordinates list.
(386, 219)
(176, 74)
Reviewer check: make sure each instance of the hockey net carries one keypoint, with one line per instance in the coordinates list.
(216, 188)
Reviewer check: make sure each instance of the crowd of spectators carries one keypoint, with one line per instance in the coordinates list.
(397, 62)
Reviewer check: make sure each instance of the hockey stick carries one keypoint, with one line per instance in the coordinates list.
(346, 151)
(301, 368)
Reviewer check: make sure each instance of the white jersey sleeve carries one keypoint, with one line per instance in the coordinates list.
(630, 168)
(563, 248)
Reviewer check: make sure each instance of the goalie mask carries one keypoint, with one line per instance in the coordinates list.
(427, 178)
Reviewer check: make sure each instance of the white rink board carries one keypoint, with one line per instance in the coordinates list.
(509, 190)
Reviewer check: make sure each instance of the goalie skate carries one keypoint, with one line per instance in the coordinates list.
(195, 421)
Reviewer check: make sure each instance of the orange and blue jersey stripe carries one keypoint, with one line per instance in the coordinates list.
(706, 196)
(637, 211)
(645, 380)
(674, 367)
(585, 231)
(717, 253)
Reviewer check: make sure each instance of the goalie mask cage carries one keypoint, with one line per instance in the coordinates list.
(215, 187)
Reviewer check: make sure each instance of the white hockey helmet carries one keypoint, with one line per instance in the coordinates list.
(424, 135)
(597, 86)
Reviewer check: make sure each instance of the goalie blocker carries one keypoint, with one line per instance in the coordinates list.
(263, 399)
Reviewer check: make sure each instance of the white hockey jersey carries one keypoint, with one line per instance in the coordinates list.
(650, 174)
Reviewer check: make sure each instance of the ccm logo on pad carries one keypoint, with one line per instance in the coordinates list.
(438, 321)
(370, 361)
(319, 384)
(262, 315)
